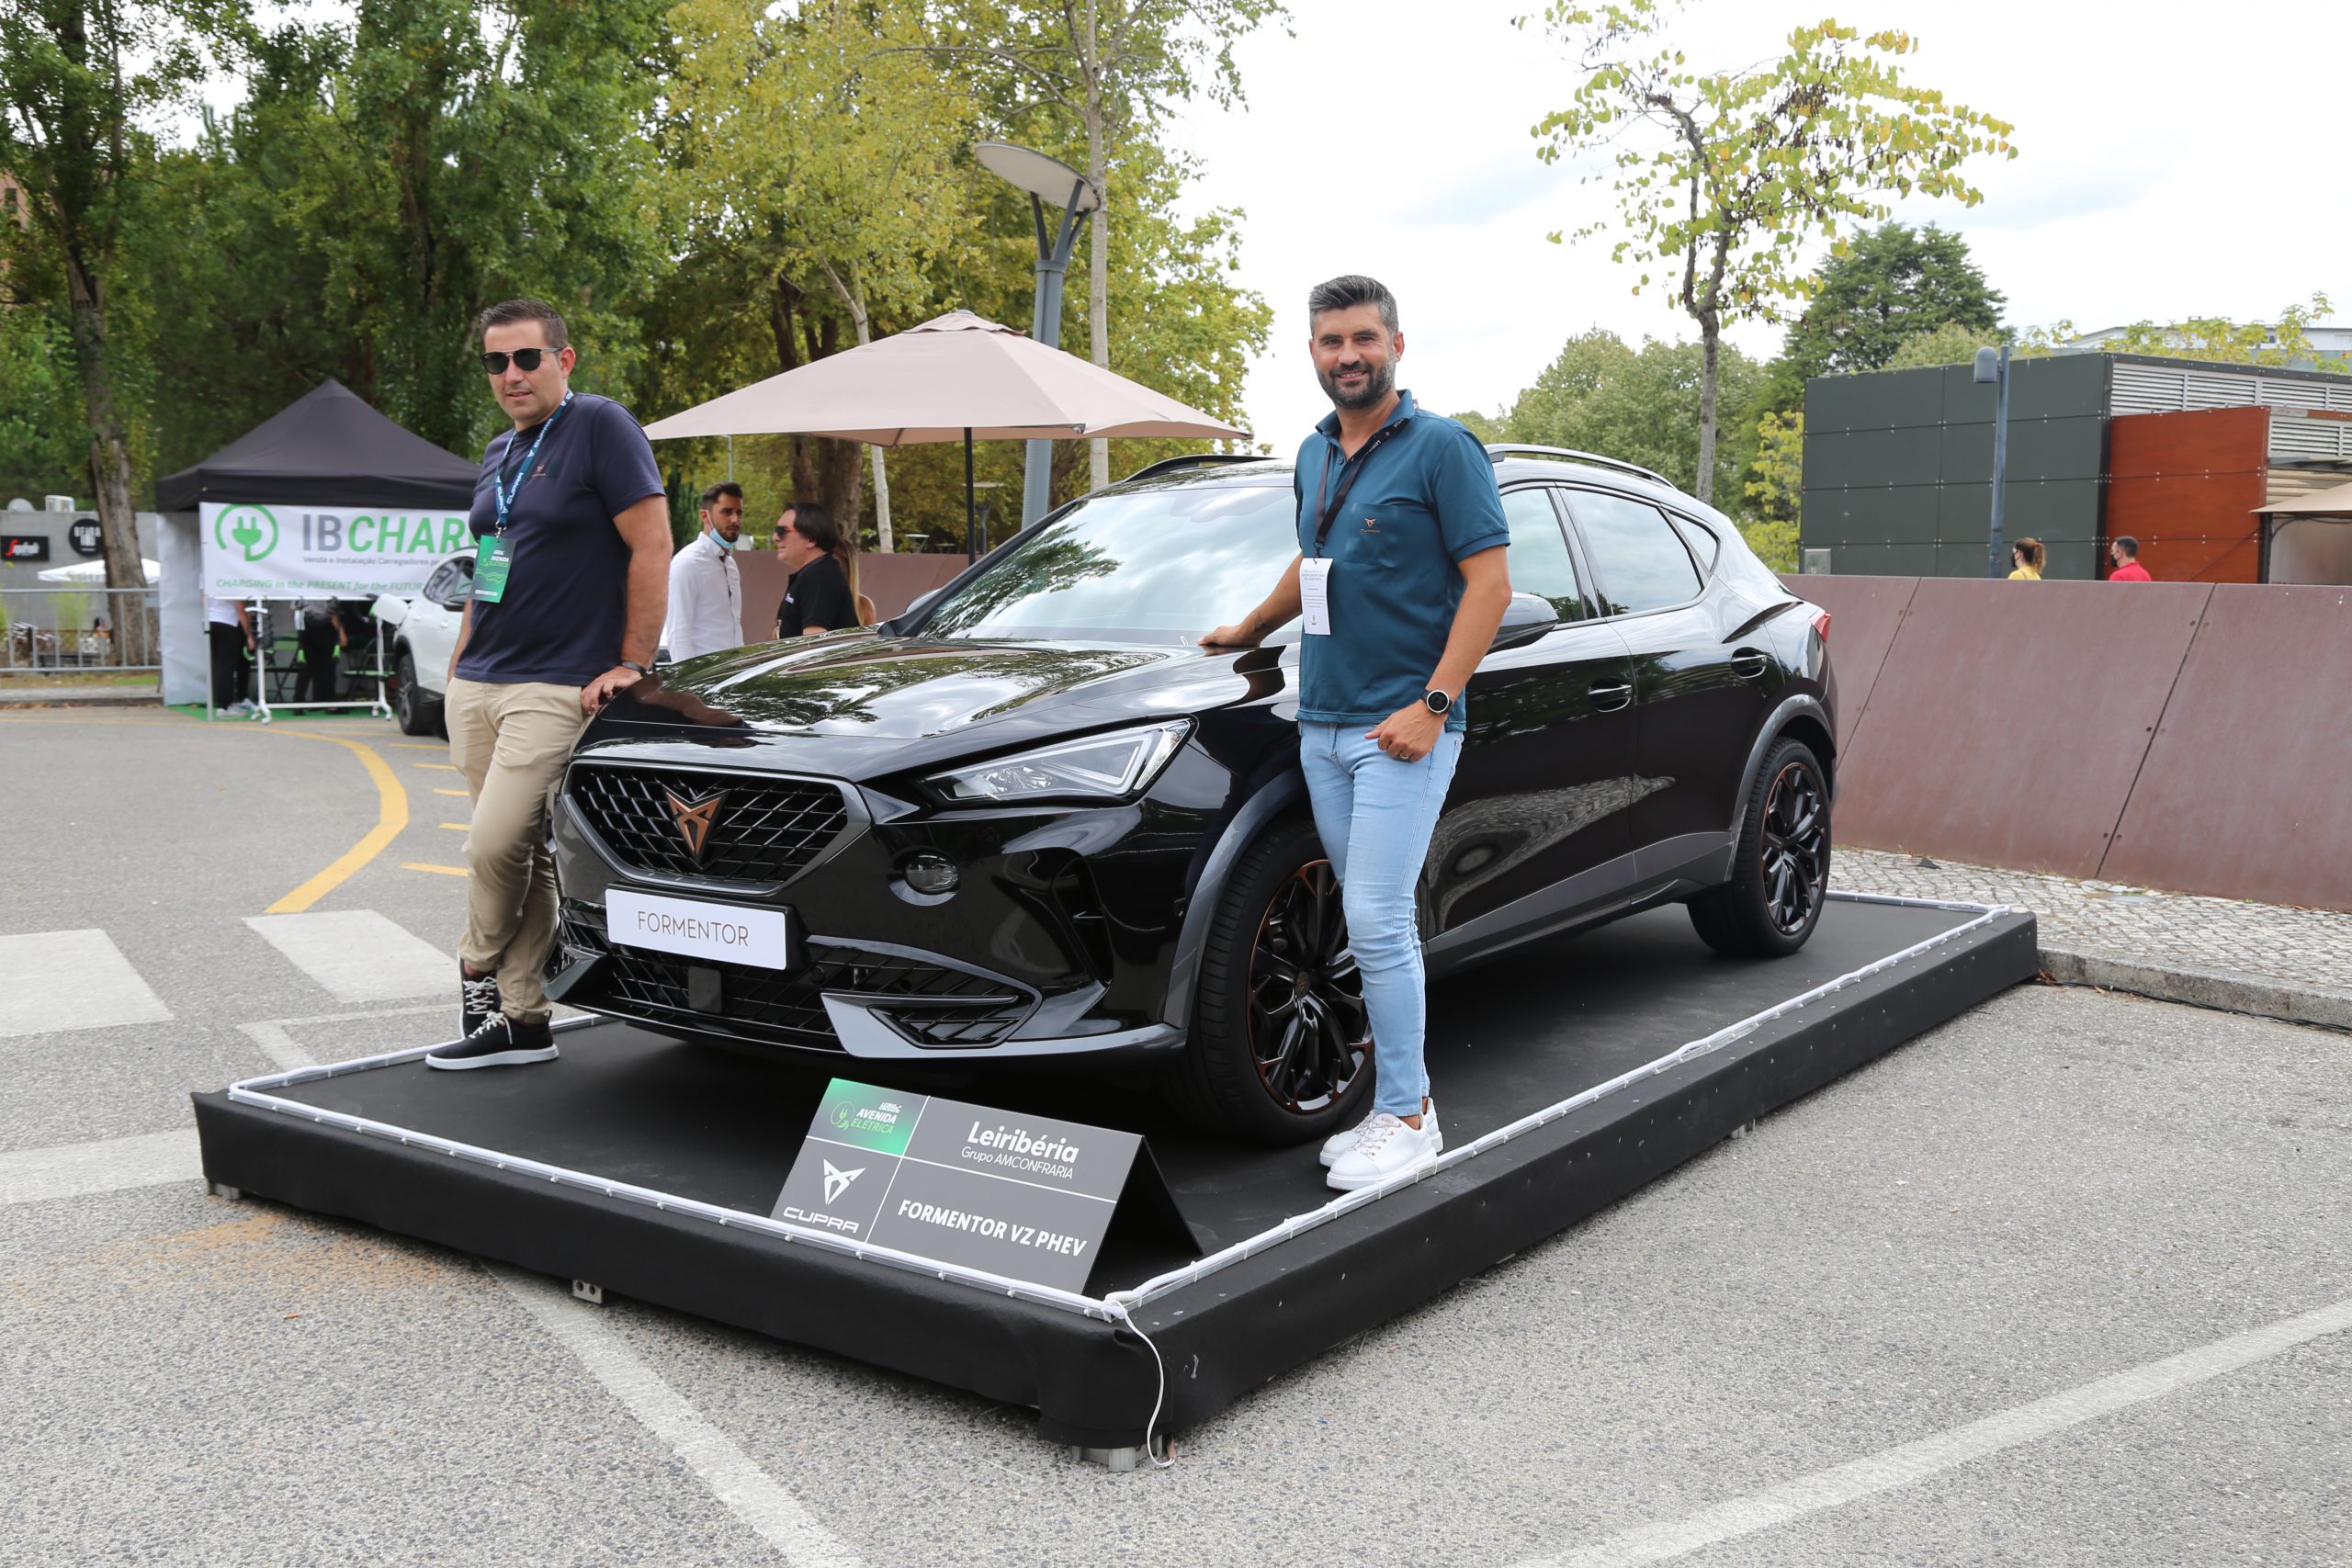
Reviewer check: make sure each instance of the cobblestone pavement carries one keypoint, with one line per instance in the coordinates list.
(2309, 947)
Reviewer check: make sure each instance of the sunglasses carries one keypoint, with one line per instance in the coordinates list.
(527, 359)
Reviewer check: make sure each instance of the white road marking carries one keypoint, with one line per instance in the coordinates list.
(1930, 1456)
(357, 955)
(65, 980)
(109, 1165)
(281, 1047)
(749, 1492)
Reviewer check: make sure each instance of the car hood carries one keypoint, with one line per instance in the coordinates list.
(856, 705)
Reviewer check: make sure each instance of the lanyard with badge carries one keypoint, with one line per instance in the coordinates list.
(490, 572)
(1315, 571)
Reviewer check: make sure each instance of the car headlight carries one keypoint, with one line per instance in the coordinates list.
(1100, 767)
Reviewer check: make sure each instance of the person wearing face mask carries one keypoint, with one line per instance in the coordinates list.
(706, 585)
(819, 596)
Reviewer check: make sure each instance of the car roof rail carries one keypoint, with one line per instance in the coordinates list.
(1195, 460)
(1498, 450)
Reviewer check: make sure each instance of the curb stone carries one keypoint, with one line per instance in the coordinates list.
(79, 697)
(2329, 1007)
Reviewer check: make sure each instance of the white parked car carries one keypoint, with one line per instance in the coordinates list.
(424, 635)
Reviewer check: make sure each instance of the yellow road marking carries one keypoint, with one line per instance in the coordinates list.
(392, 816)
(437, 767)
(458, 792)
(435, 870)
(459, 826)
(419, 745)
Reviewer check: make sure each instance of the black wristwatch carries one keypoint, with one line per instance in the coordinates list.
(633, 664)
(1437, 702)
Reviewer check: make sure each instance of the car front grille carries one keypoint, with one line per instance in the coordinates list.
(932, 1003)
(762, 830)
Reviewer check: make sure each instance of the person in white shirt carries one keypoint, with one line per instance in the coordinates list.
(706, 585)
(228, 627)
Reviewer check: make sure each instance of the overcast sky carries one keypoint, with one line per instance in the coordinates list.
(2173, 161)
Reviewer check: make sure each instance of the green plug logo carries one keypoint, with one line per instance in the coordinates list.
(248, 531)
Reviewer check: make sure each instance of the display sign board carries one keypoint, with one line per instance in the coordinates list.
(24, 548)
(87, 537)
(336, 552)
(1031, 1198)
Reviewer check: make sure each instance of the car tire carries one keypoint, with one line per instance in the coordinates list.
(1270, 1060)
(419, 711)
(1781, 867)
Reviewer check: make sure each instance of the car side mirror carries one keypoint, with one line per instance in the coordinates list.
(1529, 616)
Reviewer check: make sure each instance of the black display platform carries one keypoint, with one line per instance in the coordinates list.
(704, 1140)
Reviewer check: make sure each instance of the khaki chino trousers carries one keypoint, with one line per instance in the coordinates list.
(510, 742)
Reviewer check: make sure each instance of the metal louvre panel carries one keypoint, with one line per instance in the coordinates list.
(2310, 438)
(2147, 388)
(766, 830)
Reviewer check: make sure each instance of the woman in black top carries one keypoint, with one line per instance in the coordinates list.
(818, 596)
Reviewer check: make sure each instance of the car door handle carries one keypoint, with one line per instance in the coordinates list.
(1747, 664)
(1609, 699)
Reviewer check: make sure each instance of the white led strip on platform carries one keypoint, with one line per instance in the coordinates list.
(1116, 1306)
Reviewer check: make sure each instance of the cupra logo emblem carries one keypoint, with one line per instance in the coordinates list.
(248, 531)
(694, 819)
(837, 1181)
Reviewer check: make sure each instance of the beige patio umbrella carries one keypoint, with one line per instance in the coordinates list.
(958, 376)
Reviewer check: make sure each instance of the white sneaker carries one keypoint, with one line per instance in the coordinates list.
(1389, 1147)
(1339, 1144)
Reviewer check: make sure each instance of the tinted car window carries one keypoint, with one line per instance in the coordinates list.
(1146, 566)
(1699, 538)
(1540, 563)
(1640, 562)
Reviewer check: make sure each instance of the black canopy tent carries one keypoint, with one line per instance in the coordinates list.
(326, 447)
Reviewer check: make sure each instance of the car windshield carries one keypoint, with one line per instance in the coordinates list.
(1157, 566)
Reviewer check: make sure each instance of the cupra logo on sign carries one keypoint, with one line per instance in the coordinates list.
(837, 1180)
(249, 531)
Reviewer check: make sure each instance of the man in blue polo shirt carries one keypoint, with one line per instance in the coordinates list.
(572, 576)
(1400, 581)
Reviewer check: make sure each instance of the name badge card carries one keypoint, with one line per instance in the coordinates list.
(1315, 595)
(490, 572)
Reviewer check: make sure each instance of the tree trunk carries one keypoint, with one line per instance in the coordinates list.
(1098, 239)
(109, 463)
(824, 470)
(855, 303)
(1709, 335)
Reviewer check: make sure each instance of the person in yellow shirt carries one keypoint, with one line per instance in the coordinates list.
(2026, 556)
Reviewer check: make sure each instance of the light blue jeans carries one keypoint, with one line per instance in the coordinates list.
(1375, 814)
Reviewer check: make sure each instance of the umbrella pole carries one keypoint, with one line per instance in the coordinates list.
(971, 540)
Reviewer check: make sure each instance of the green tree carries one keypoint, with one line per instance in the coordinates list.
(1642, 406)
(1102, 74)
(1723, 177)
(2285, 342)
(468, 151)
(1889, 287)
(1952, 344)
(79, 79)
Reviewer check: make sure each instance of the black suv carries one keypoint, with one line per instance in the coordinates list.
(1030, 818)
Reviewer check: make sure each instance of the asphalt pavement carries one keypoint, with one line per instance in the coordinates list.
(2067, 1281)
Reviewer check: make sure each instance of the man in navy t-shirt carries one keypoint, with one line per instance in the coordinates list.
(1400, 583)
(572, 562)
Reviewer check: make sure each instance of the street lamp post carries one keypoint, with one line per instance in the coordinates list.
(1995, 368)
(1046, 179)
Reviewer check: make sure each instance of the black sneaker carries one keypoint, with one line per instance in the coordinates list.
(477, 999)
(503, 1042)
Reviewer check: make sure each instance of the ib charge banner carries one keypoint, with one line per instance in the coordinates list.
(283, 550)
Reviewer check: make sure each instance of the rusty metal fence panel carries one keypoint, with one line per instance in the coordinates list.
(2248, 790)
(2009, 720)
(1863, 614)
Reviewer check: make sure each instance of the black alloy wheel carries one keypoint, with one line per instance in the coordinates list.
(419, 714)
(1781, 867)
(1309, 1036)
(1795, 864)
(1279, 1049)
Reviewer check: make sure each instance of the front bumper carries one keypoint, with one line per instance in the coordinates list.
(1058, 941)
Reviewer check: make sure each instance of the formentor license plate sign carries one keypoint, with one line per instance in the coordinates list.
(1025, 1197)
(724, 934)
